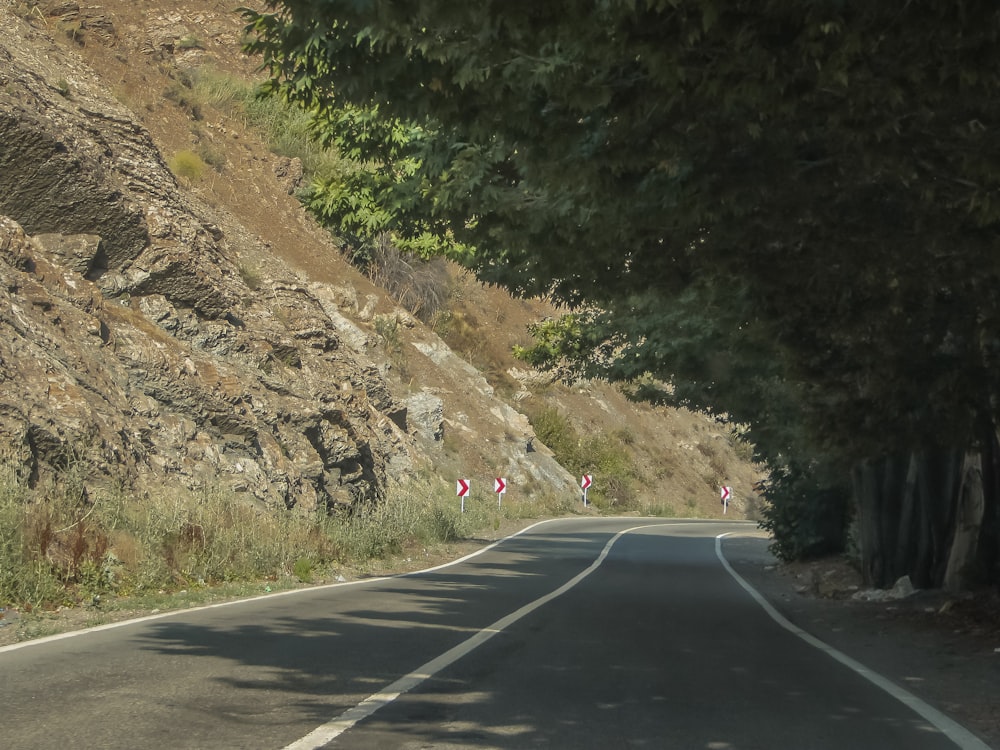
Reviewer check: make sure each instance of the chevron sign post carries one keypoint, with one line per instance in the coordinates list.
(499, 487)
(462, 489)
(585, 483)
(727, 493)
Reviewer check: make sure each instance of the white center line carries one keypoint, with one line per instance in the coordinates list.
(337, 726)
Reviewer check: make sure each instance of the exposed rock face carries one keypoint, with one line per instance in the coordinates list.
(128, 338)
(143, 390)
(137, 342)
(53, 187)
(425, 412)
(74, 162)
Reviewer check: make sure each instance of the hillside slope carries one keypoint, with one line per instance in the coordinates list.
(227, 339)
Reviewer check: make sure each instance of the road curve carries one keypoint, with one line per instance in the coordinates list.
(571, 634)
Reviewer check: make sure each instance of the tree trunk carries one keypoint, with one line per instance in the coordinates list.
(938, 483)
(960, 572)
(906, 506)
(987, 564)
(908, 530)
(869, 534)
(878, 491)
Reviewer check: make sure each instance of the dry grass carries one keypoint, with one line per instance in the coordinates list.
(421, 286)
(60, 546)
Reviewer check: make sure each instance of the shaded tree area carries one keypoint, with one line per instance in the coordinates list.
(786, 210)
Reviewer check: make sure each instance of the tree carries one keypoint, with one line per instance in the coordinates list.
(836, 162)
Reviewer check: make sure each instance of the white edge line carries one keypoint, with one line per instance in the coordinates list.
(950, 728)
(337, 726)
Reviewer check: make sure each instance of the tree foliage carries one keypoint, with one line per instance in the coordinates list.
(788, 210)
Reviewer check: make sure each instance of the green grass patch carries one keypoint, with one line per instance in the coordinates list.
(286, 129)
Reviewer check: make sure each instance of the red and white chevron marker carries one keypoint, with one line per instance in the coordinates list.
(727, 493)
(500, 487)
(586, 482)
(462, 488)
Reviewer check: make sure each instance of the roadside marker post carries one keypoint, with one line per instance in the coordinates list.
(462, 489)
(585, 483)
(727, 493)
(500, 487)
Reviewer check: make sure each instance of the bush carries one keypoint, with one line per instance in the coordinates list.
(56, 548)
(555, 430)
(36, 561)
(303, 569)
(421, 286)
(187, 164)
(806, 517)
(284, 127)
(387, 327)
(604, 456)
(189, 42)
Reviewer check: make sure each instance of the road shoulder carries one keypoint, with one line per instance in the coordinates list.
(943, 649)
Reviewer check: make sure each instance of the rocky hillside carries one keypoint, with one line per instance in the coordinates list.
(184, 331)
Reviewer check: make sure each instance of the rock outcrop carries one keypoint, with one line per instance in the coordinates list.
(130, 341)
(138, 343)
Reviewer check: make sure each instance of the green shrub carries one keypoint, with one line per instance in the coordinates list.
(603, 456)
(660, 510)
(387, 326)
(303, 569)
(251, 276)
(213, 156)
(42, 550)
(73, 29)
(187, 164)
(806, 517)
(189, 42)
(284, 127)
(555, 430)
(439, 525)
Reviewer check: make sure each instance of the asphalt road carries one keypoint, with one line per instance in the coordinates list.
(570, 635)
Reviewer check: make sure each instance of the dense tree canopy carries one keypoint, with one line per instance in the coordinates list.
(788, 209)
